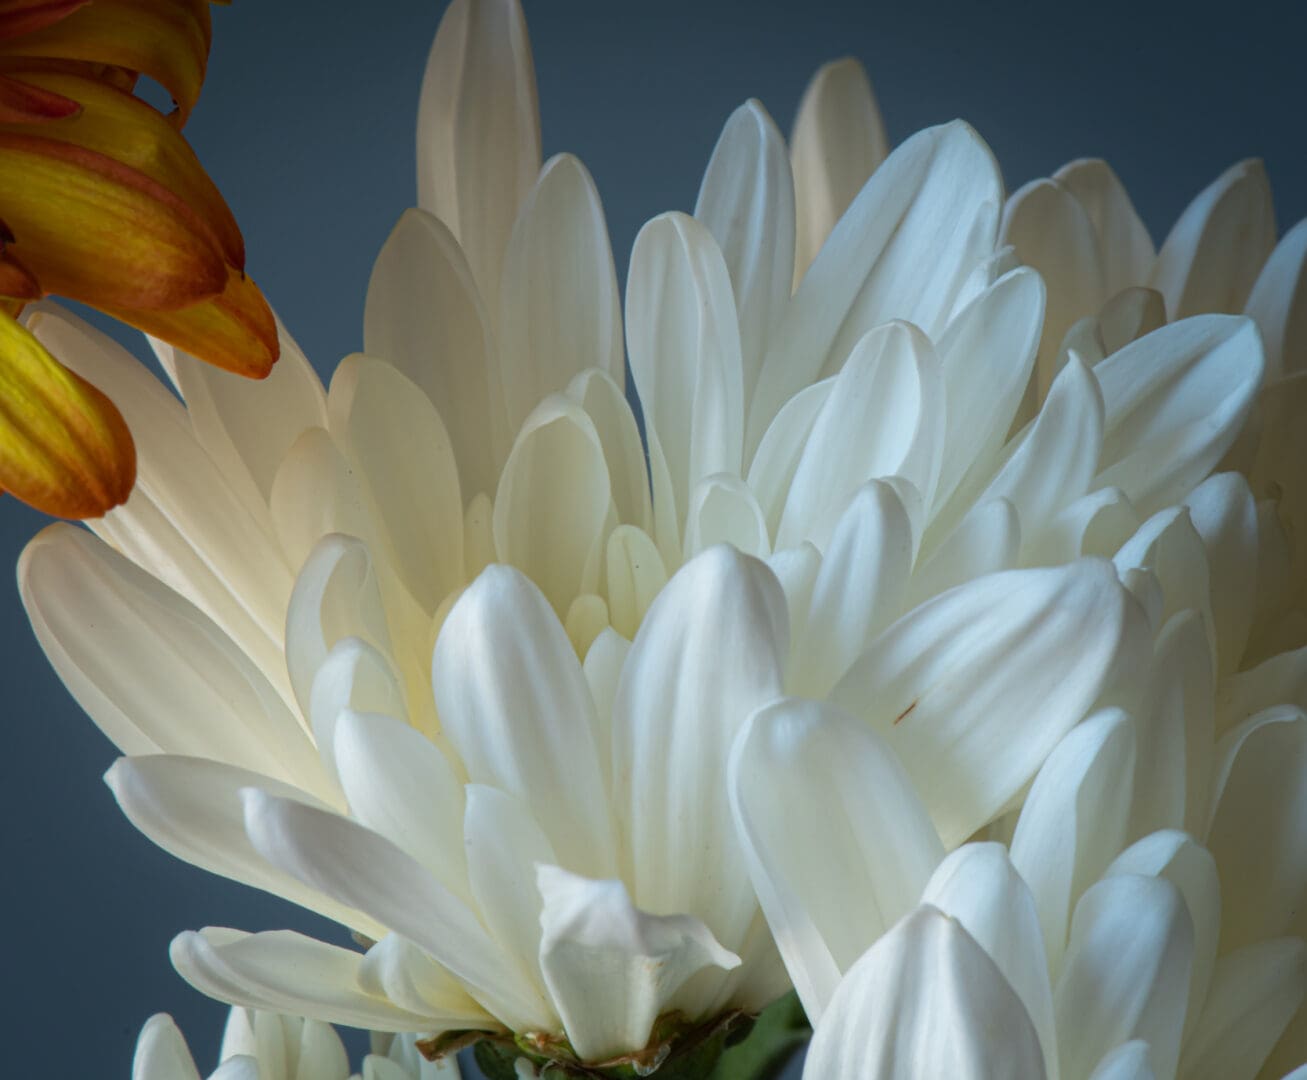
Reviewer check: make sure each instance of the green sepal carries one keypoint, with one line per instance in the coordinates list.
(779, 1030)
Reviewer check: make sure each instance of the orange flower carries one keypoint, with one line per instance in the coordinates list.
(103, 201)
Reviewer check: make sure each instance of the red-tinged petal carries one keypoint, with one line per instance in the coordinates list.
(95, 230)
(235, 331)
(17, 283)
(64, 448)
(129, 131)
(165, 39)
(21, 103)
(26, 16)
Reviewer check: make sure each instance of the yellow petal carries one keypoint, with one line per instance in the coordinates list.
(64, 448)
(235, 331)
(165, 39)
(96, 230)
(122, 127)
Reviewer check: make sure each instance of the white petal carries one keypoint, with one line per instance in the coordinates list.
(839, 845)
(837, 143)
(396, 969)
(346, 861)
(558, 307)
(1056, 461)
(858, 590)
(1129, 1061)
(1218, 246)
(973, 689)
(986, 541)
(514, 702)
(317, 492)
(153, 672)
(395, 439)
(938, 193)
(1175, 401)
(1278, 304)
(684, 340)
(1176, 732)
(192, 809)
(336, 596)
(504, 847)
(183, 522)
(1260, 790)
(479, 130)
(281, 971)
(925, 1002)
(883, 417)
(1126, 973)
(239, 420)
(353, 676)
(635, 576)
(710, 651)
(772, 470)
(605, 403)
(1124, 243)
(552, 505)
(723, 511)
(1074, 819)
(1224, 514)
(986, 354)
(978, 885)
(610, 967)
(400, 785)
(1281, 680)
(1255, 992)
(162, 1053)
(1168, 545)
(424, 316)
(1190, 868)
(1053, 232)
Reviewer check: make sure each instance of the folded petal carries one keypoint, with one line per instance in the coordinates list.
(837, 841)
(894, 377)
(479, 130)
(684, 338)
(925, 1001)
(711, 650)
(838, 141)
(1278, 304)
(979, 886)
(514, 702)
(1129, 1061)
(903, 250)
(552, 507)
(64, 447)
(973, 689)
(1175, 400)
(611, 968)
(1126, 973)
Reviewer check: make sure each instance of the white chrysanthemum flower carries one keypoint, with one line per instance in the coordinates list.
(267, 1046)
(512, 779)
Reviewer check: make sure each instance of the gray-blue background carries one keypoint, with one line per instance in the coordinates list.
(307, 124)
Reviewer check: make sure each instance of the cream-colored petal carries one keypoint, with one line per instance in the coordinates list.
(939, 192)
(974, 689)
(838, 844)
(1126, 248)
(838, 141)
(1216, 249)
(1278, 304)
(478, 142)
(424, 315)
(559, 311)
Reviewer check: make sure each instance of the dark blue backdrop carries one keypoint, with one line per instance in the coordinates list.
(307, 124)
